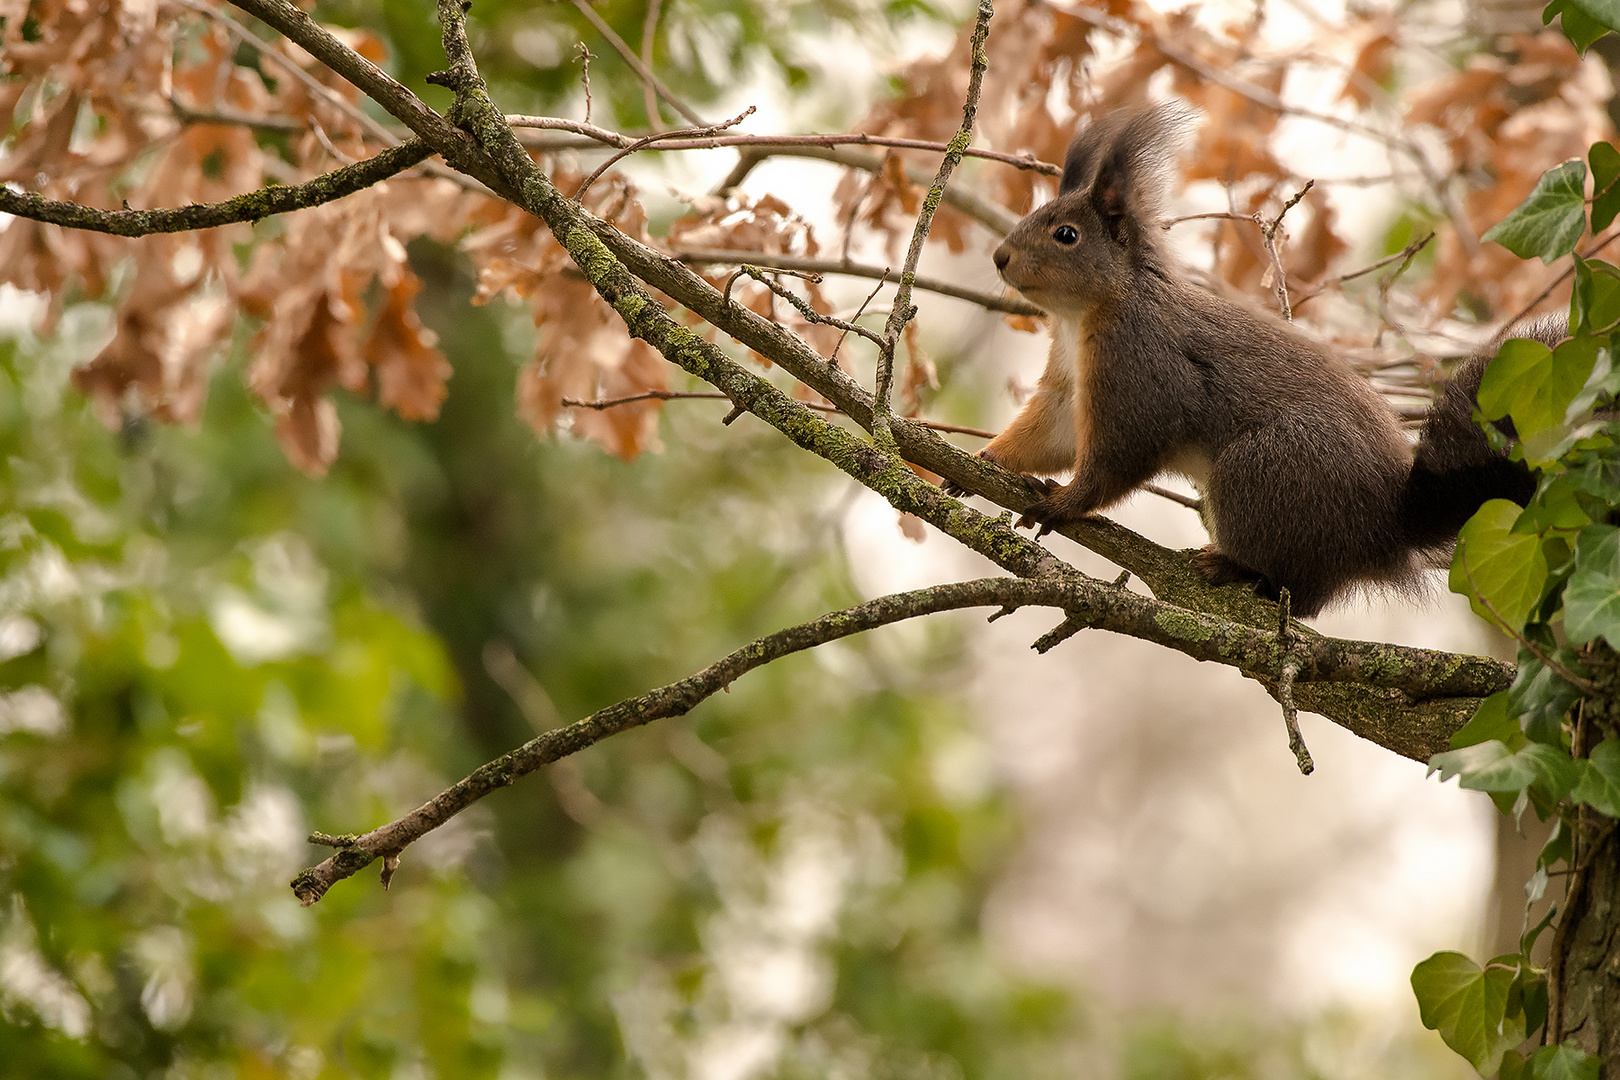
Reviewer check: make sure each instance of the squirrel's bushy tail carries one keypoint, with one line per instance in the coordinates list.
(1456, 471)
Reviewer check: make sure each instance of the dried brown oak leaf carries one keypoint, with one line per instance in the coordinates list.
(311, 290)
(582, 351)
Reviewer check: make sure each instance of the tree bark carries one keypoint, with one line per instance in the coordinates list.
(1586, 967)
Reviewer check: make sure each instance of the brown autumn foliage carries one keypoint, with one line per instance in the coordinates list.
(148, 103)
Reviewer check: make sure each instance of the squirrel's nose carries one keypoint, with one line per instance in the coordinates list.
(1002, 257)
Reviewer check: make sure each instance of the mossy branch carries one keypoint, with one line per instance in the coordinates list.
(1415, 673)
(251, 206)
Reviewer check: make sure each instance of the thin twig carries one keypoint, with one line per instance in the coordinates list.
(680, 140)
(1285, 685)
(1012, 305)
(993, 217)
(640, 69)
(649, 37)
(1403, 256)
(903, 311)
(1268, 233)
(833, 359)
(1223, 215)
(654, 138)
(249, 207)
(585, 57)
(803, 307)
(1174, 496)
(187, 115)
(326, 142)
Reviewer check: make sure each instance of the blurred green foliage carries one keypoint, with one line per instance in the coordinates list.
(208, 655)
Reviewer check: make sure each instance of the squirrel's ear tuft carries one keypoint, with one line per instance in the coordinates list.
(1126, 158)
(1080, 165)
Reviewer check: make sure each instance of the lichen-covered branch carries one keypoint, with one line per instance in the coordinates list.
(250, 206)
(1421, 673)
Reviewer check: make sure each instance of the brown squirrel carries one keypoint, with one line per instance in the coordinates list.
(1307, 482)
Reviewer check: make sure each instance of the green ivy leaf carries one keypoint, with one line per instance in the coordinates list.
(1535, 1003)
(1594, 301)
(1579, 27)
(1496, 566)
(1513, 1067)
(1518, 366)
(1492, 720)
(1537, 387)
(1469, 759)
(1563, 1063)
(1606, 12)
(1601, 382)
(1550, 222)
(1560, 847)
(1592, 597)
(1605, 162)
(1468, 1007)
(1540, 697)
(1599, 787)
(1555, 506)
(1548, 768)
(1599, 477)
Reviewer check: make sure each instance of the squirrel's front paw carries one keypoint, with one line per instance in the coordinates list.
(1054, 510)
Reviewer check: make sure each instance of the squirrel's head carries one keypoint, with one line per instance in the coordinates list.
(1092, 242)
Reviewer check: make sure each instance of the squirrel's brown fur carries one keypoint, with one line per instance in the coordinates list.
(1307, 481)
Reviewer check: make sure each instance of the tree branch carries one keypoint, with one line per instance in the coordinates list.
(657, 137)
(902, 311)
(1087, 603)
(1012, 305)
(1403, 256)
(775, 142)
(599, 404)
(251, 206)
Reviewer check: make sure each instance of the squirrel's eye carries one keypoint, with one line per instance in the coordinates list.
(1065, 234)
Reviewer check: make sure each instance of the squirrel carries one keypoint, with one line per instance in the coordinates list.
(1307, 481)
